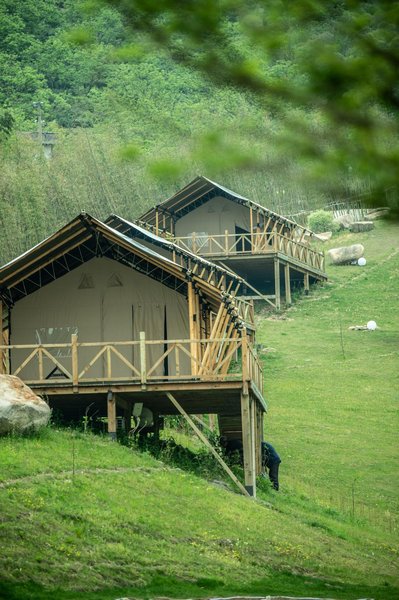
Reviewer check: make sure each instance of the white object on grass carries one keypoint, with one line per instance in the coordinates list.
(362, 262)
(371, 325)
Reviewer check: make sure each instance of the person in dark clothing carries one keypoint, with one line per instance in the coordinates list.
(271, 461)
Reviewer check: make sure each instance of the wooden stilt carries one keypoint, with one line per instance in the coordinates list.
(252, 408)
(111, 409)
(287, 284)
(249, 474)
(277, 282)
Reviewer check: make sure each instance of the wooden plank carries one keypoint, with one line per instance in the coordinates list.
(111, 413)
(207, 444)
(249, 475)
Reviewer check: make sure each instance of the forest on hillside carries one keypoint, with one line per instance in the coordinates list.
(140, 102)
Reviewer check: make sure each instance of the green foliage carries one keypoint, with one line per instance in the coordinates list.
(320, 221)
(304, 64)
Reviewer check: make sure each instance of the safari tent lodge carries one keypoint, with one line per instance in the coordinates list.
(113, 317)
(270, 252)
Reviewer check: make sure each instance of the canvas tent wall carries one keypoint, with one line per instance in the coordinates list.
(101, 301)
(213, 218)
(172, 213)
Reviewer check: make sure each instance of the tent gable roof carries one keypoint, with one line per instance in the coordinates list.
(199, 191)
(84, 238)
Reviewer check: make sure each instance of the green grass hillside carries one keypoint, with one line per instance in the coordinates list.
(82, 517)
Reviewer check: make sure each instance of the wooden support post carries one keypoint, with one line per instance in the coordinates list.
(111, 413)
(40, 357)
(259, 438)
(277, 282)
(143, 359)
(247, 447)
(192, 327)
(226, 240)
(287, 284)
(207, 444)
(254, 441)
(306, 283)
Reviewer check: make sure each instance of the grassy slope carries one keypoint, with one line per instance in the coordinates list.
(149, 530)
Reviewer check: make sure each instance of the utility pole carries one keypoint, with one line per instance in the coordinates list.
(38, 106)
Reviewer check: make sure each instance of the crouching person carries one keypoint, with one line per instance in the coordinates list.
(271, 461)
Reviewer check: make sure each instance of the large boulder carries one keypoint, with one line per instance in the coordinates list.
(346, 254)
(20, 409)
(360, 226)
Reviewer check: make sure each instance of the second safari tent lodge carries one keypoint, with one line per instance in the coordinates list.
(269, 251)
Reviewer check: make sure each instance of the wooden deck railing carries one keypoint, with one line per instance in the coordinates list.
(229, 244)
(138, 361)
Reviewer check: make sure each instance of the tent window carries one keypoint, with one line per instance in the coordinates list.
(56, 335)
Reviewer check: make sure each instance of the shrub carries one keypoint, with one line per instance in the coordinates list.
(320, 221)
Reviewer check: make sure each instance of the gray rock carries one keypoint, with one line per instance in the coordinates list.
(344, 221)
(346, 254)
(20, 409)
(359, 226)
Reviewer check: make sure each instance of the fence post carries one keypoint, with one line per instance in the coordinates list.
(74, 355)
(143, 361)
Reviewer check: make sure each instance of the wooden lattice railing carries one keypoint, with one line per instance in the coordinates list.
(258, 243)
(138, 361)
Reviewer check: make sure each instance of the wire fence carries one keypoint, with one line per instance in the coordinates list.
(352, 508)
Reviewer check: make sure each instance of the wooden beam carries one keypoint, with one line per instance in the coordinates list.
(208, 444)
(111, 413)
(249, 474)
(287, 281)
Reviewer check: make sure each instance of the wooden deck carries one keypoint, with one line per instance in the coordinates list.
(221, 376)
(229, 245)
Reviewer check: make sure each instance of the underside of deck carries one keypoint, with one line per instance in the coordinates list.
(222, 398)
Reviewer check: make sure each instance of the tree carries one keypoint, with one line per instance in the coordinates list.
(326, 72)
